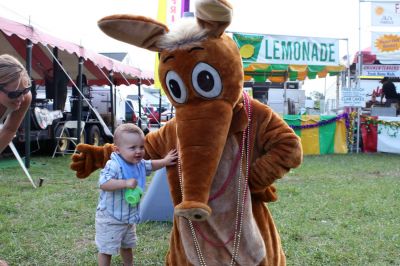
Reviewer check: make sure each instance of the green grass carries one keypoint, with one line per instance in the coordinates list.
(333, 210)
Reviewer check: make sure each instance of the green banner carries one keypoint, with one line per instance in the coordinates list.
(249, 46)
(277, 49)
(327, 136)
(293, 120)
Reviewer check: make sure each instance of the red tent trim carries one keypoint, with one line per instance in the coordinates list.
(367, 56)
(16, 35)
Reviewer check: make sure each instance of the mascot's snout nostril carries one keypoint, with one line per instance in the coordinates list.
(198, 217)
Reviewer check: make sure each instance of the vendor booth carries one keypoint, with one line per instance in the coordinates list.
(281, 59)
(379, 122)
(380, 134)
(325, 134)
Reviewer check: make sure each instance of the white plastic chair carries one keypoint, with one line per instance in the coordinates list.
(70, 140)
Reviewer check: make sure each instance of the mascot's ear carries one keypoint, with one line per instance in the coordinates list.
(214, 15)
(137, 30)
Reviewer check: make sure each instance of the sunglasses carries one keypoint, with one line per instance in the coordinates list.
(15, 94)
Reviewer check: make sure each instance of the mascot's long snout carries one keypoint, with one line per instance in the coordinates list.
(201, 133)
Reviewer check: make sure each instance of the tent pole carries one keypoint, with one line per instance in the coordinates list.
(79, 115)
(348, 65)
(338, 89)
(140, 104)
(358, 74)
(56, 76)
(110, 77)
(285, 107)
(27, 119)
(325, 98)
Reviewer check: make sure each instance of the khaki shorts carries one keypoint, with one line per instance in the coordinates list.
(111, 234)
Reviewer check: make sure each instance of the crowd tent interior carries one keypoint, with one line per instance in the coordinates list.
(16, 39)
(41, 52)
(379, 123)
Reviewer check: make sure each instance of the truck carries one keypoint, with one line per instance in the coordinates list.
(126, 108)
(96, 113)
(42, 55)
(283, 98)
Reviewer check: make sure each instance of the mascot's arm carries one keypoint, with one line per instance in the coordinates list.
(159, 143)
(278, 148)
(90, 158)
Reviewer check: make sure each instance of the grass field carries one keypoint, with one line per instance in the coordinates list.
(333, 210)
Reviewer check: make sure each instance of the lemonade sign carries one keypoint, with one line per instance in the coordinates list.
(276, 49)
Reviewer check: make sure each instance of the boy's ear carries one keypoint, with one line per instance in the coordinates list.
(115, 149)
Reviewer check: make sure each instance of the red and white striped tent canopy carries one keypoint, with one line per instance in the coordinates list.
(13, 40)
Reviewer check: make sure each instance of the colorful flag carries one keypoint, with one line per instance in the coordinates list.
(320, 134)
(169, 11)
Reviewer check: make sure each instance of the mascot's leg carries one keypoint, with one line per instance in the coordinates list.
(272, 240)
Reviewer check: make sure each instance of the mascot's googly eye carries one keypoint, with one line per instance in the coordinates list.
(206, 80)
(176, 87)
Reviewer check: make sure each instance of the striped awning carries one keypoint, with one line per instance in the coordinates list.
(320, 134)
(260, 72)
(13, 40)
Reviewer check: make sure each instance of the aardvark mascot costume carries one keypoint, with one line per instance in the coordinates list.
(231, 147)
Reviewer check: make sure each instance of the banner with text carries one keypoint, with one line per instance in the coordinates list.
(169, 11)
(381, 70)
(385, 44)
(277, 49)
(385, 14)
(353, 97)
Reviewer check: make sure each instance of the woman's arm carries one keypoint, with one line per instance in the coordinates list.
(13, 121)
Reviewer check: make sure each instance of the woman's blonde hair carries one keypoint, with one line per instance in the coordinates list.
(11, 69)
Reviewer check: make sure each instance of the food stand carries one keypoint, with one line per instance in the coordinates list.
(279, 59)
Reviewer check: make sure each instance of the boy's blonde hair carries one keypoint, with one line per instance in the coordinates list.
(126, 128)
(11, 70)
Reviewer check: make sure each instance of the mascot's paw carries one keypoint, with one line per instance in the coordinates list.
(268, 195)
(193, 210)
(89, 159)
(78, 165)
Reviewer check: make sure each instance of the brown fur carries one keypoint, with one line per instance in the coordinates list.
(270, 135)
(207, 133)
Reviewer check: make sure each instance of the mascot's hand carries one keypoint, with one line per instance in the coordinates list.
(90, 158)
(268, 195)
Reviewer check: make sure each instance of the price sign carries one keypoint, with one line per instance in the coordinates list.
(353, 97)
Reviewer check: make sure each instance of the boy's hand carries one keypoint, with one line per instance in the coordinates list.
(170, 158)
(131, 183)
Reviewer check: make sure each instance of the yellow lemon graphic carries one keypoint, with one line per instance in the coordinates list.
(379, 10)
(247, 50)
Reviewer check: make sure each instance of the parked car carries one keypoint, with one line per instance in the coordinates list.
(152, 114)
(132, 114)
(167, 115)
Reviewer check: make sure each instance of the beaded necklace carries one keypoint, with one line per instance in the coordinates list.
(245, 150)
